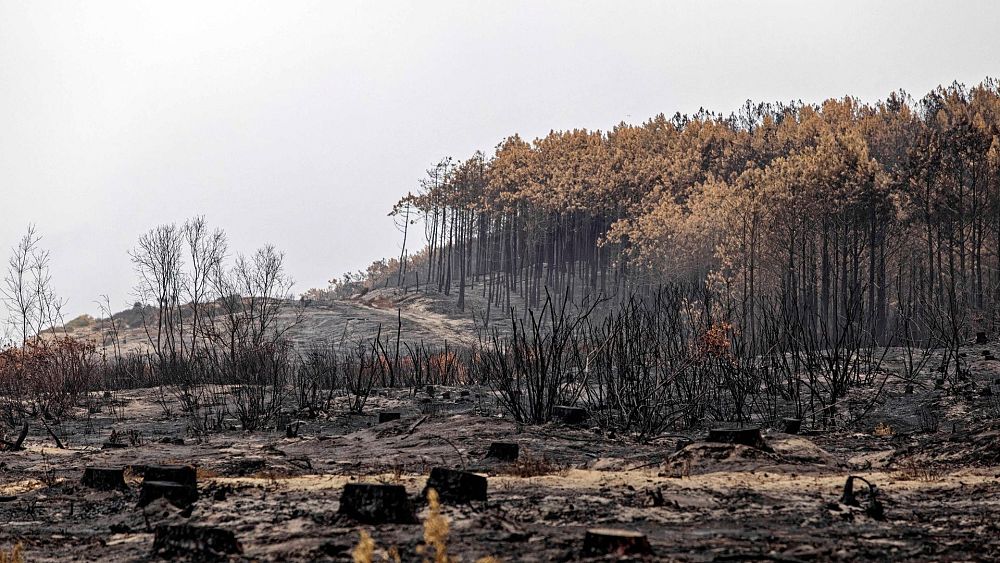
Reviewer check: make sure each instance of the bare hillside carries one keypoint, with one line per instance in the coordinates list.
(429, 317)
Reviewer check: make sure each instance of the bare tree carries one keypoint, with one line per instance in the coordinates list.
(158, 259)
(32, 305)
(251, 296)
(248, 344)
(206, 251)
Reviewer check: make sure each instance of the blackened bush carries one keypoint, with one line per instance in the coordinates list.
(259, 378)
(539, 364)
(45, 377)
(314, 378)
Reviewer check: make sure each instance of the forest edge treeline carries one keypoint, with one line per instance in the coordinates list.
(885, 211)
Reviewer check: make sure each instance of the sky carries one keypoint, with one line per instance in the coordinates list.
(300, 124)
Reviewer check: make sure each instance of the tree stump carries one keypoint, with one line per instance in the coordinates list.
(792, 425)
(185, 475)
(504, 451)
(745, 436)
(384, 417)
(569, 415)
(376, 504)
(181, 496)
(981, 338)
(605, 541)
(197, 543)
(104, 478)
(456, 486)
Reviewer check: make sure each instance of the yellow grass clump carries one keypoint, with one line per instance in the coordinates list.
(15, 555)
(436, 529)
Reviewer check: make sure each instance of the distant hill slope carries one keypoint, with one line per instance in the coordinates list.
(419, 317)
(430, 317)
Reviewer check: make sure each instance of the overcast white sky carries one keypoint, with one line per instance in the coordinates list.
(301, 123)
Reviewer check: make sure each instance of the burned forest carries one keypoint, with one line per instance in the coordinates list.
(770, 333)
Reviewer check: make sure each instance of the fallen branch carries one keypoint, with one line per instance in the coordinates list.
(454, 447)
(59, 443)
(415, 425)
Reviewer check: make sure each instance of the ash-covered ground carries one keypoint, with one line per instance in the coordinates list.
(933, 454)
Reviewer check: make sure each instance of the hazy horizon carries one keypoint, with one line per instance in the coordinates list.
(301, 125)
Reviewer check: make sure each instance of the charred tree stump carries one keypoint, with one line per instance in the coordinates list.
(104, 478)
(981, 338)
(384, 417)
(605, 541)
(197, 543)
(185, 475)
(456, 486)
(569, 415)
(792, 425)
(744, 436)
(181, 496)
(504, 451)
(376, 504)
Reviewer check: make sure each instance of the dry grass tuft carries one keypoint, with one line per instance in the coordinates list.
(393, 474)
(913, 470)
(436, 530)
(205, 473)
(527, 466)
(272, 474)
(15, 555)
(883, 429)
(364, 552)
